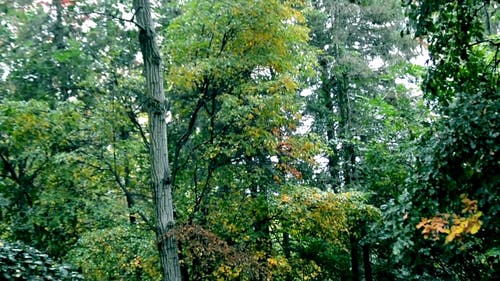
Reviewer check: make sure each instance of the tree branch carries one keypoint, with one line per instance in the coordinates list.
(9, 168)
(114, 17)
(131, 115)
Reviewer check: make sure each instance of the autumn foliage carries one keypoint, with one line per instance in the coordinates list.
(455, 227)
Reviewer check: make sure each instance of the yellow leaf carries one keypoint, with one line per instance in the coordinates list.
(285, 198)
(272, 262)
(475, 228)
(450, 237)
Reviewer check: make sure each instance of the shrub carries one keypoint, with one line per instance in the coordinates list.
(22, 262)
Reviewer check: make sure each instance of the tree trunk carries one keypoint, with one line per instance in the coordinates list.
(345, 133)
(327, 92)
(366, 263)
(287, 251)
(160, 170)
(58, 31)
(59, 27)
(333, 158)
(355, 274)
(487, 19)
(367, 266)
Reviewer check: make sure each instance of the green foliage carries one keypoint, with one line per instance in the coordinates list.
(394, 232)
(369, 120)
(459, 156)
(235, 76)
(356, 108)
(36, 140)
(119, 253)
(251, 199)
(319, 224)
(21, 262)
(67, 168)
(234, 80)
(458, 42)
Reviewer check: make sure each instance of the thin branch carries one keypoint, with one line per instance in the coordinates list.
(133, 118)
(114, 17)
(38, 170)
(489, 41)
(146, 220)
(9, 168)
(182, 141)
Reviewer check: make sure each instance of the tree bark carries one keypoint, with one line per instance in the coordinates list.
(287, 251)
(345, 128)
(366, 263)
(58, 26)
(355, 274)
(160, 170)
(58, 31)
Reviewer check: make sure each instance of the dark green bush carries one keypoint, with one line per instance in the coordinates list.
(22, 262)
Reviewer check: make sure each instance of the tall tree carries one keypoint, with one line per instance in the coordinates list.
(161, 178)
(454, 192)
(52, 53)
(356, 105)
(30, 185)
(234, 81)
(362, 55)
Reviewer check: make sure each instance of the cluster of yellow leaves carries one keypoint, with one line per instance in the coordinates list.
(277, 262)
(226, 272)
(462, 226)
(455, 228)
(307, 270)
(310, 271)
(324, 214)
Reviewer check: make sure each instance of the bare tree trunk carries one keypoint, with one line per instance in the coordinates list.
(160, 170)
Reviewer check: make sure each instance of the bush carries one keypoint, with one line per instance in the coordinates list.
(122, 253)
(22, 262)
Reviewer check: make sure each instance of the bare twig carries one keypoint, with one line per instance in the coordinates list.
(113, 17)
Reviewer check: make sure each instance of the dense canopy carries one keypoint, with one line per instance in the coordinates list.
(249, 140)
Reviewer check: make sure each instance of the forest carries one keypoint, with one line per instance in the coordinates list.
(250, 140)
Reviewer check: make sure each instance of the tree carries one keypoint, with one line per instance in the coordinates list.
(161, 178)
(320, 225)
(35, 140)
(453, 192)
(41, 51)
(81, 158)
(234, 78)
(351, 35)
(359, 110)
